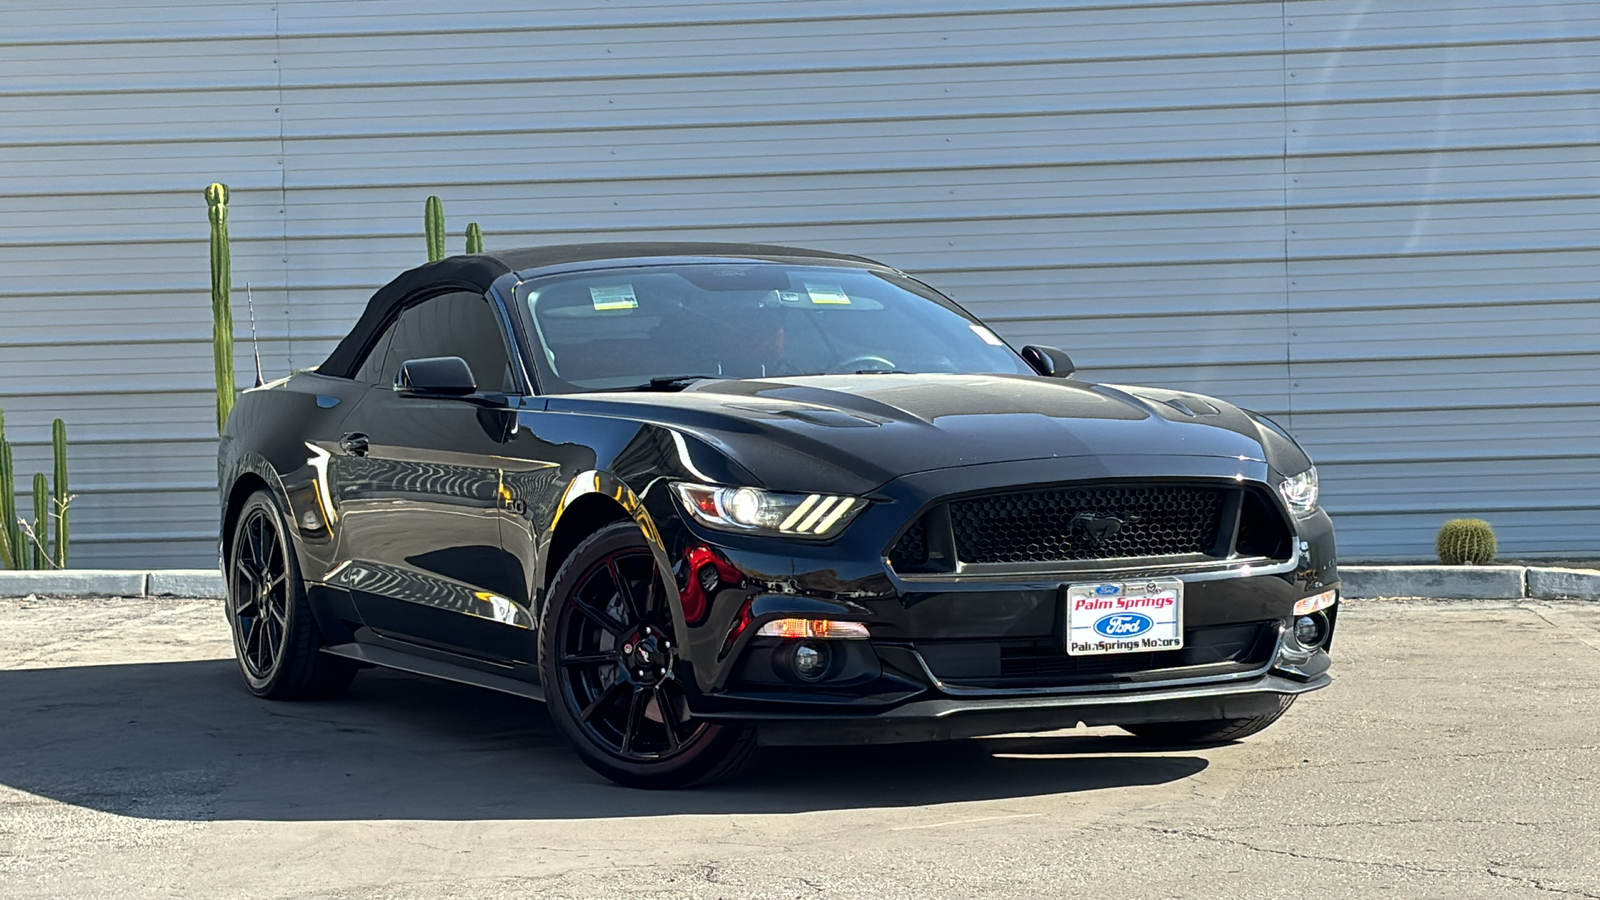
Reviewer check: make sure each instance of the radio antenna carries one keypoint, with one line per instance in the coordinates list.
(255, 347)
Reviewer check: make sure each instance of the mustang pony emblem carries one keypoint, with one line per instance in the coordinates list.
(1097, 528)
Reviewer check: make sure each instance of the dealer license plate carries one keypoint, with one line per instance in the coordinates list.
(1124, 617)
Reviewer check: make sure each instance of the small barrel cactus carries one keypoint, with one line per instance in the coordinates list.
(1466, 542)
(474, 238)
(433, 227)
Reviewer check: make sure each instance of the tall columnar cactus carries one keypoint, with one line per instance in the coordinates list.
(60, 497)
(39, 545)
(221, 312)
(433, 227)
(28, 545)
(474, 238)
(1466, 541)
(11, 545)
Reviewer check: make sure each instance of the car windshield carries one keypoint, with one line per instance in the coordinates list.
(623, 328)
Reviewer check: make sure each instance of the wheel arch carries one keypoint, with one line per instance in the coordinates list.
(253, 473)
(592, 500)
(584, 516)
(243, 487)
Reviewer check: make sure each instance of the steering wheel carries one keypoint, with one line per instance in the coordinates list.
(858, 363)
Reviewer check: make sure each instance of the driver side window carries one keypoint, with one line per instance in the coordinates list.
(456, 324)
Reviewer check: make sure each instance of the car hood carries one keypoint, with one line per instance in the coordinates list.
(855, 432)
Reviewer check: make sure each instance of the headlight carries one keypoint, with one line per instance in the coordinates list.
(754, 510)
(1300, 492)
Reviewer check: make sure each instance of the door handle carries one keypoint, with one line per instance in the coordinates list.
(355, 443)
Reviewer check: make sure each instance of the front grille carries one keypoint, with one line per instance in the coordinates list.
(1211, 650)
(1261, 531)
(1094, 522)
(912, 548)
(1063, 524)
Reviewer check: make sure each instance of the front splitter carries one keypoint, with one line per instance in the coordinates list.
(940, 718)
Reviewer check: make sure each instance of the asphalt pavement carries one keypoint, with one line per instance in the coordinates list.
(1457, 755)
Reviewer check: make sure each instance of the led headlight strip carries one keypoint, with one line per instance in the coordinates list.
(817, 514)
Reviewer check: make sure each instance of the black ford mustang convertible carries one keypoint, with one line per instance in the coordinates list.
(700, 497)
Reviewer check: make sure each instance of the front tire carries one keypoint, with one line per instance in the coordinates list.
(611, 672)
(1209, 732)
(275, 636)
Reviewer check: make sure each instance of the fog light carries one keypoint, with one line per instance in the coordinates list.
(1310, 631)
(810, 661)
(812, 628)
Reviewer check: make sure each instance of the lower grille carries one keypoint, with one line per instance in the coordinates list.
(1094, 522)
(1212, 650)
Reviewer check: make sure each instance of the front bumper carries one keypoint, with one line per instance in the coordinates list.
(906, 700)
(953, 655)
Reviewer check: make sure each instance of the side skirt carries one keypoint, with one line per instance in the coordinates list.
(416, 665)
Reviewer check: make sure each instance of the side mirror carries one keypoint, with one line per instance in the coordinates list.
(1048, 361)
(438, 376)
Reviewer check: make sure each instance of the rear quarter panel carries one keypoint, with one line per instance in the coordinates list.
(282, 433)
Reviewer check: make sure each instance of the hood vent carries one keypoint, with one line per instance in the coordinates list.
(1193, 408)
(830, 417)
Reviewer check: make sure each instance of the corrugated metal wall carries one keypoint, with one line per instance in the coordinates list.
(1376, 221)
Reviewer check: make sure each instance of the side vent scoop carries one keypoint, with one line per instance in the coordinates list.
(1194, 408)
(830, 417)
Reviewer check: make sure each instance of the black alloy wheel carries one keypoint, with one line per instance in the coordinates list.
(275, 636)
(259, 588)
(612, 672)
(618, 661)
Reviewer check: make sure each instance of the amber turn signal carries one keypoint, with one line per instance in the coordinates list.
(813, 628)
(1308, 605)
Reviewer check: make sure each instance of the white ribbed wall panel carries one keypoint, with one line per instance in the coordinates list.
(1377, 222)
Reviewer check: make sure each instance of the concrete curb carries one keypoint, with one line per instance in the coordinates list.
(73, 582)
(1356, 583)
(1563, 584)
(1457, 582)
(206, 583)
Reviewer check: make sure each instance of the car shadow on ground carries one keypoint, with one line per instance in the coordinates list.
(183, 740)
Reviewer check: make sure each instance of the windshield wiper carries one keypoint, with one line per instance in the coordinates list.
(672, 382)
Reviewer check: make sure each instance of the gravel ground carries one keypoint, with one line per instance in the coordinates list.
(1456, 756)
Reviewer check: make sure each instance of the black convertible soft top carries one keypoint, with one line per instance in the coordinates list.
(478, 271)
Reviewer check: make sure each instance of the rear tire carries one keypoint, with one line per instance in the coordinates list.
(612, 677)
(275, 637)
(1209, 732)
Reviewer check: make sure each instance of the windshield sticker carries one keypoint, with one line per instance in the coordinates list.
(616, 296)
(828, 293)
(988, 336)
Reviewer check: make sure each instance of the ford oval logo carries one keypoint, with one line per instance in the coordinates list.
(1106, 590)
(1123, 625)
